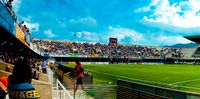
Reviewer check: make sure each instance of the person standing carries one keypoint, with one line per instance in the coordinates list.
(35, 72)
(44, 67)
(21, 25)
(79, 74)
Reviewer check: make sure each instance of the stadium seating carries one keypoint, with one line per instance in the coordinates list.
(197, 53)
(188, 52)
(43, 86)
(3, 66)
(4, 73)
(105, 50)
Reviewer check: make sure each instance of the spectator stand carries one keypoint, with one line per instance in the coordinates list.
(97, 50)
(195, 38)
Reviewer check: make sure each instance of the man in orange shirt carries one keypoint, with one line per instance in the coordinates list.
(79, 74)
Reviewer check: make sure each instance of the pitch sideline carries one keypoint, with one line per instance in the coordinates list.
(185, 81)
(131, 78)
(187, 87)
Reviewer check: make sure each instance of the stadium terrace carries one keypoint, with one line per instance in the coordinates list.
(64, 48)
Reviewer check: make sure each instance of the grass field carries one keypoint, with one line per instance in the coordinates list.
(173, 76)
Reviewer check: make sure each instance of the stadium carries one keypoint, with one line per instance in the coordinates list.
(112, 70)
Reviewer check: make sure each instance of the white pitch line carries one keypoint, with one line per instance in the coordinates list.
(118, 76)
(187, 87)
(185, 81)
(147, 80)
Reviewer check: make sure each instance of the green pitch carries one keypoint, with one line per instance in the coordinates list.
(173, 76)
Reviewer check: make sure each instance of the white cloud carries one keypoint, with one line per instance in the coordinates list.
(130, 36)
(170, 40)
(61, 20)
(49, 33)
(89, 36)
(34, 27)
(16, 5)
(123, 33)
(180, 14)
(144, 9)
(28, 18)
(148, 8)
(58, 22)
(88, 21)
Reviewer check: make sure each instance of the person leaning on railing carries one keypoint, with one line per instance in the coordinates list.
(21, 24)
(19, 83)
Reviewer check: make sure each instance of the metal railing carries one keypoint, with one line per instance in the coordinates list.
(102, 91)
(96, 92)
(61, 92)
(66, 90)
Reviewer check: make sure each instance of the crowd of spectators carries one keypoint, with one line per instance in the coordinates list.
(8, 59)
(37, 65)
(119, 51)
(24, 28)
(25, 69)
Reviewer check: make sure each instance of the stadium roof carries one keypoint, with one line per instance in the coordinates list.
(194, 38)
(10, 44)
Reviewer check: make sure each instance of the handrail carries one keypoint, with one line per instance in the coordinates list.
(51, 76)
(65, 91)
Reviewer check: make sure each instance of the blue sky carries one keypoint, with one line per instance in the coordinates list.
(144, 22)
